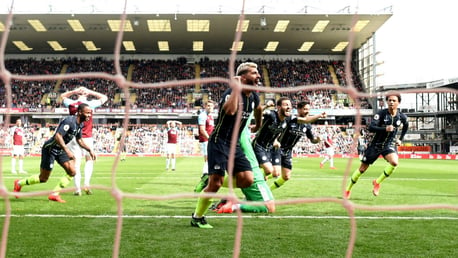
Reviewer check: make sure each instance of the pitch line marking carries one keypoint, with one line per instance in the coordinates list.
(233, 217)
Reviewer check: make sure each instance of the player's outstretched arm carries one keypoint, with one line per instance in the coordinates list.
(310, 119)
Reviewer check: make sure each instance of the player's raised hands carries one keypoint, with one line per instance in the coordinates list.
(237, 84)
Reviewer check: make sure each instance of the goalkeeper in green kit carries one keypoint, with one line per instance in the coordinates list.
(259, 191)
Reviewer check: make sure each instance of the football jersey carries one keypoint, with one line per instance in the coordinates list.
(270, 129)
(225, 123)
(69, 129)
(293, 133)
(18, 135)
(328, 141)
(172, 135)
(73, 109)
(207, 121)
(379, 123)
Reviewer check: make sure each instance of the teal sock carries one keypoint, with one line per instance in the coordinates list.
(253, 208)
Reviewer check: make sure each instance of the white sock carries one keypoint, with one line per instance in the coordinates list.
(13, 164)
(205, 168)
(324, 160)
(174, 162)
(21, 165)
(88, 169)
(77, 178)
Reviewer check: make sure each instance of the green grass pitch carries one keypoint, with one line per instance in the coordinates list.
(156, 221)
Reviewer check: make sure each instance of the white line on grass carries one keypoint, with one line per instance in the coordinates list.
(231, 216)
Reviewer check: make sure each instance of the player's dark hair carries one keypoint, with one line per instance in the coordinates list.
(394, 94)
(280, 100)
(302, 104)
(82, 106)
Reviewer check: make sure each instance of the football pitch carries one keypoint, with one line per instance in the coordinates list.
(146, 210)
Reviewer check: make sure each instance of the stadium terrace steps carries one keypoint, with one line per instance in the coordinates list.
(59, 82)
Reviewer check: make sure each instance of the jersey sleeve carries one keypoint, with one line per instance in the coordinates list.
(93, 104)
(68, 101)
(257, 100)
(268, 115)
(201, 119)
(64, 127)
(309, 133)
(405, 126)
(375, 125)
(224, 97)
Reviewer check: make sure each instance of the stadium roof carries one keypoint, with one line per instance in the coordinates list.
(99, 29)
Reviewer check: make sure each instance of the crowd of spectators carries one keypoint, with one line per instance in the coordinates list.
(294, 73)
(151, 139)
(219, 68)
(29, 93)
(343, 141)
(154, 71)
(280, 73)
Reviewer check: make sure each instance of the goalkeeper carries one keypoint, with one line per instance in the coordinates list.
(259, 191)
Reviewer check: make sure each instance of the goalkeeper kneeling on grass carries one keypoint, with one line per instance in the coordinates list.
(259, 191)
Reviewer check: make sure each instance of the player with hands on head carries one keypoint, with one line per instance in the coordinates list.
(173, 135)
(18, 141)
(82, 94)
(384, 127)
